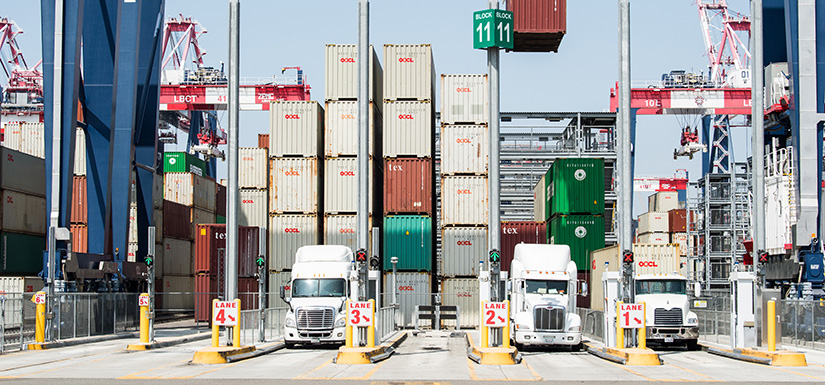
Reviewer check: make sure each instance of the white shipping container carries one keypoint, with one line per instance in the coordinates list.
(779, 214)
(663, 201)
(159, 271)
(25, 137)
(341, 73)
(341, 182)
(341, 230)
(464, 200)
(462, 292)
(539, 201)
(177, 257)
(409, 72)
(681, 239)
(18, 290)
(341, 132)
(80, 152)
(157, 191)
(654, 238)
(287, 233)
(200, 217)
(408, 129)
(190, 190)
(9, 285)
(253, 168)
(461, 249)
(178, 284)
(464, 99)
(464, 150)
(131, 252)
(412, 289)
(274, 283)
(133, 230)
(22, 213)
(13, 164)
(253, 208)
(295, 128)
(650, 222)
(295, 185)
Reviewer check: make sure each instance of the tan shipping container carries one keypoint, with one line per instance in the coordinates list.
(190, 190)
(177, 257)
(657, 238)
(409, 72)
(253, 168)
(408, 129)
(650, 222)
(663, 201)
(462, 292)
(287, 233)
(341, 130)
(295, 185)
(539, 200)
(253, 208)
(464, 99)
(461, 250)
(464, 150)
(341, 73)
(342, 229)
(296, 128)
(341, 181)
(22, 213)
(181, 292)
(464, 200)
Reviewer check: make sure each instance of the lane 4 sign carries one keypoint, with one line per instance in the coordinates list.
(360, 314)
(631, 315)
(225, 313)
(495, 314)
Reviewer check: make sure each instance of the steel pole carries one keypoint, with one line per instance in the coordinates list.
(494, 181)
(232, 189)
(758, 151)
(363, 140)
(625, 192)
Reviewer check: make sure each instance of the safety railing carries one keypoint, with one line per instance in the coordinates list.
(16, 321)
(714, 317)
(385, 317)
(802, 323)
(592, 323)
(262, 326)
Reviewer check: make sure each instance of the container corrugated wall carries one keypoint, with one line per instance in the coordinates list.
(464, 150)
(15, 163)
(295, 185)
(179, 284)
(253, 208)
(682, 240)
(663, 201)
(341, 73)
(80, 152)
(409, 72)
(464, 99)
(253, 168)
(655, 238)
(287, 233)
(190, 190)
(157, 218)
(538, 25)
(22, 213)
(410, 238)
(157, 191)
(296, 128)
(341, 230)
(413, 289)
(341, 183)
(408, 185)
(539, 200)
(462, 292)
(25, 137)
(583, 233)
(610, 256)
(650, 222)
(176, 220)
(274, 283)
(341, 132)
(408, 129)
(80, 213)
(464, 200)
(176, 161)
(263, 141)
(657, 259)
(515, 232)
(177, 257)
(461, 250)
(21, 254)
(575, 186)
(80, 238)
(200, 217)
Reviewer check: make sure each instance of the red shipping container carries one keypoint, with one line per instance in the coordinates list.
(584, 277)
(263, 141)
(80, 238)
(515, 232)
(209, 238)
(177, 221)
(538, 25)
(80, 213)
(677, 220)
(408, 186)
(220, 200)
(207, 289)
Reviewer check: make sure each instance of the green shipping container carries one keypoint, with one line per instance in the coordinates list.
(583, 233)
(183, 162)
(410, 238)
(21, 254)
(575, 186)
(220, 219)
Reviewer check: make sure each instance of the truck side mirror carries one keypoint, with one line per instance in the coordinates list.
(697, 289)
(509, 286)
(583, 289)
(283, 295)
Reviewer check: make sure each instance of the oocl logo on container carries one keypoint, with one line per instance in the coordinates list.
(247, 201)
(291, 230)
(405, 60)
(648, 264)
(347, 231)
(463, 89)
(464, 191)
(347, 116)
(463, 140)
(347, 60)
(464, 243)
(292, 173)
(405, 117)
(347, 173)
(292, 116)
(405, 288)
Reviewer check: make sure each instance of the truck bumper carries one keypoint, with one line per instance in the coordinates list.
(547, 338)
(668, 334)
(301, 336)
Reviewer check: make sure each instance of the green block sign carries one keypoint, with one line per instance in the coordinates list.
(493, 28)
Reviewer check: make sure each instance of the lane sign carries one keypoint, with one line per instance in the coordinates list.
(225, 313)
(40, 298)
(495, 314)
(631, 315)
(143, 300)
(360, 314)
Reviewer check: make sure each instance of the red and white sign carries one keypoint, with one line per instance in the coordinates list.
(360, 314)
(659, 184)
(40, 298)
(631, 315)
(143, 300)
(225, 313)
(495, 314)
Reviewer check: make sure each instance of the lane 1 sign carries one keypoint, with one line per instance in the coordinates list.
(360, 314)
(143, 300)
(495, 314)
(631, 315)
(225, 313)
(493, 28)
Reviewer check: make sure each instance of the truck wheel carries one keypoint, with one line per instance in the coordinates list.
(289, 345)
(692, 345)
(577, 348)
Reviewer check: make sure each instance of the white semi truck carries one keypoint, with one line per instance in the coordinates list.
(542, 289)
(322, 280)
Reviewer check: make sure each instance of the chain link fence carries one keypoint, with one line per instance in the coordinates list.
(802, 323)
(714, 319)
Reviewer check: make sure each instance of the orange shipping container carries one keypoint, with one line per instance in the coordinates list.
(408, 186)
(80, 213)
(80, 238)
(538, 25)
(263, 141)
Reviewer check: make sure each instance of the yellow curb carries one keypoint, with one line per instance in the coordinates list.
(38, 346)
(218, 355)
(777, 358)
(492, 356)
(635, 356)
(364, 355)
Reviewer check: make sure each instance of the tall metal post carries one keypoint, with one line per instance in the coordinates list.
(494, 182)
(232, 190)
(758, 151)
(625, 182)
(363, 140)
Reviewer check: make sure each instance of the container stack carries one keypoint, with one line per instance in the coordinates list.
(464, 190)
(408, 152)
(25, 137)
(665, 222)
(79, 219)
(22, 213)
(295, 185)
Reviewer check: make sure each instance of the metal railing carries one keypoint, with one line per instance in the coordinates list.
(385, 318)
(802, 323)
(262, 326)
(714, 320)
(592, 323)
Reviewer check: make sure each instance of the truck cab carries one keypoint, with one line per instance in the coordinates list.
(667, 309)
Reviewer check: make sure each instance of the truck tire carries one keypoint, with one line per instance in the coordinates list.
(289, 345)
(692, 345)
(577, 348)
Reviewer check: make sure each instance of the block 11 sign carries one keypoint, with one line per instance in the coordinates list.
(493, 28)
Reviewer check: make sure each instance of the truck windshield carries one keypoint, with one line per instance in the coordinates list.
(319, 288)
(661, 286)
(534, 286)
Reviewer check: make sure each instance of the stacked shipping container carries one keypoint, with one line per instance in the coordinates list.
(665, 222)
(22, 213)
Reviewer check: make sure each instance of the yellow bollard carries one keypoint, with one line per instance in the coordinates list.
(484, 331)
(236, 330)
(771, 326)
(619, 330)
(40, 318)
(144, 318)
(643, 330)
(371, 328)
(348, 330)
(216, 330)
(505, 333)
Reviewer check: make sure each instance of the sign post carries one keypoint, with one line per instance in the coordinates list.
(227, 314)
(495, 315)
(360, 314)
(39, 300)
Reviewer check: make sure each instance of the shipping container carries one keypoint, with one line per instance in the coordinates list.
(412, 289)
(653, 222)
(220, 219)
(263, 142)
(462, 292)
(80, 238)
(515, 232)
(177, 257)
(605, 259)
(540, 201)
(296, 129)
(25, 137)
(683, 241)
(461, 250)
(538, 25)
(408, 129)
(80, 152)
(15, 288)
(663, 201)
(80, 213)
(287, 233)
(133, 231)
(409, 72)
(295, 185)
(274, 283)
(464, 150)
(583, 233)
(779, 217)
(654, 238)
(464, 200)
(677, 221)
(199, 217)
(22, 213)
(341, 73)
(253, 208)
(177, 220)
(19, 284)
(410, 238)
(341, 132)
(220, 198)
(253, 168)
(21, 254)
(157, 191)
(190, 189)
(464, 99)
(210, 249)
(178, 293)
(575, 186)
(341, 181)
(182, 162)
(157, 221)
(341, 230)
(15, 163)
(209, 287)
(408, 186)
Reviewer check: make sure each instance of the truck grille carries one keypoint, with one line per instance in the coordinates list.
(548, 317)
(315, 318)
(667, 317)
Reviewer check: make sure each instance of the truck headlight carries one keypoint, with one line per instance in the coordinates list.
(522, 327)
(290, 323)
(341, 322)
(574, 329)
(693, 320)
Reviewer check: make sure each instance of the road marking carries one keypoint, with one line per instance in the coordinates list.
(409, 383)
(60, 360)
(694, 372)
(533, 372)
(224, 366)
(57, 368)
(473, 375)
(631, 371)
(304, 376)
(134, 376)
(798, 374)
